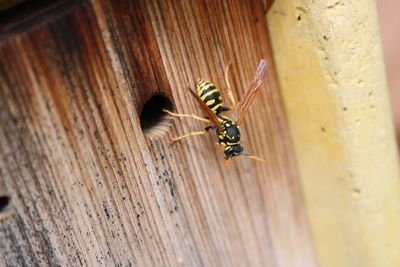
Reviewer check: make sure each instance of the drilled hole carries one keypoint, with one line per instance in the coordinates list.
(153, 119)
(5, 206)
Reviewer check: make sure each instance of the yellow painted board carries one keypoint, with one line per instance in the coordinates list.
(330, 67)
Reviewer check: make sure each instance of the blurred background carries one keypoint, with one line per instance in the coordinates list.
(389, 20)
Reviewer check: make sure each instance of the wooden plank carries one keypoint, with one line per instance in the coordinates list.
(331, 71)
(90, 188)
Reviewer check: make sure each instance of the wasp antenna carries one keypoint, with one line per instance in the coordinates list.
(227, 162)
(254, 157)
(258, 159)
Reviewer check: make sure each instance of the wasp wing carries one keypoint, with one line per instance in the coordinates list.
(255, 85)
(209, 112)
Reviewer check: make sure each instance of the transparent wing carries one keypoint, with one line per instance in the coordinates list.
(242, 107)
(209, 112)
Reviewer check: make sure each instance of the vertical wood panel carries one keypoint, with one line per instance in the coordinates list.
(90, 188)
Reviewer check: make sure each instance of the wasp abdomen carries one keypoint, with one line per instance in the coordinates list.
(210, 95)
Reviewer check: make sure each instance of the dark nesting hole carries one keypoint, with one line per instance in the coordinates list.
(4, 204)
(152, 111)
(152, 117)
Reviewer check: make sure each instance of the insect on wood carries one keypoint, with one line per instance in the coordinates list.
(226, 128)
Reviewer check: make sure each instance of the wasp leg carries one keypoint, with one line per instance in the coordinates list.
(227, 108)
(191, 134)
(228, 89)
(186, 115)
(219, 145)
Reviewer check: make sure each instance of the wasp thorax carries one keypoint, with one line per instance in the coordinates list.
(230, 134)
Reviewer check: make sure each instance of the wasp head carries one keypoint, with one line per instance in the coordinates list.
(232, 151)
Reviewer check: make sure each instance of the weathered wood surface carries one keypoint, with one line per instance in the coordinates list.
(89, 188)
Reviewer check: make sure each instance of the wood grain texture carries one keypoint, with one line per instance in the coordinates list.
(89, 188)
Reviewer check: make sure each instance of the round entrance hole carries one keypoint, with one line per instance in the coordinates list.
(153, 119)
(5, 206)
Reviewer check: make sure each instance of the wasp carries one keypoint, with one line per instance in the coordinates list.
(226, 128)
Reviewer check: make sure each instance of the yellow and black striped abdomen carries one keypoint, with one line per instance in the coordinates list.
(210, 95)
